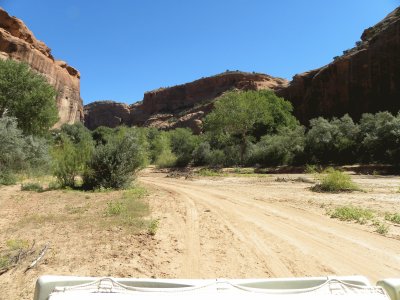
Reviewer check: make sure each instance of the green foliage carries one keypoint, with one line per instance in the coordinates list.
(209, 172)
(72, 150)
(166, 159)
(153, 227)
(332, 141)
(114, 208)
(352, 213)
(27, 96)
(395, 218)
(239, 114)
(32, 186)
(19, 152)
(382, 229)
(113, 164)
(201, 154)
(216, 158)
(129, 211)
(380, 138)
(335, 181)
(279, 149)
(183, 143)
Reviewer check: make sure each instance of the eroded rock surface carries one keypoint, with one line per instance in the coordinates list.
(179, 106)
(365, 78)
(17, 42)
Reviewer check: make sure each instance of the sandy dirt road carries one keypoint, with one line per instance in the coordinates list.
(241, 227)
(227, 227)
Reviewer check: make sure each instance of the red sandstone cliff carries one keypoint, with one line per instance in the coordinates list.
(17, 42)
(179, 106)
(364, 79)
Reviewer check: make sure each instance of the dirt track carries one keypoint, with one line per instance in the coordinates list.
(232, 227)
(243, 227)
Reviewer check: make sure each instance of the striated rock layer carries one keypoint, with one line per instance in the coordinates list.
(179, 106)
(365, 79)
(17, 42)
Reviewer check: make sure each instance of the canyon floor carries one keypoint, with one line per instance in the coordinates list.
(208, 227)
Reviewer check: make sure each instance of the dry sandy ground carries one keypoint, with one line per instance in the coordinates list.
(234, 227)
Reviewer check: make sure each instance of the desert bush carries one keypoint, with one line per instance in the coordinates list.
(332, 141)
(113, 164)
(32, 186)
(279, 149)
(166, 159)
(332, 180)
(19, 152)
(380, 138)
(352, 213)
(183, 143)
(27, 96)
(216, 158)
(201, 154)
(382, 229)
(73, 148)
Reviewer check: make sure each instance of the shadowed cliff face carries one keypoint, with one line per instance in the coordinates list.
(17, 42)
(365, 79)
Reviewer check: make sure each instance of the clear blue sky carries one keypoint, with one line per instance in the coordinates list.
(126, 47)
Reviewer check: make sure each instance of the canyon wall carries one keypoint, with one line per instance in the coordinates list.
(17, 42)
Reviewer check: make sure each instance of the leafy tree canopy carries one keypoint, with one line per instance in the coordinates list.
(28, 97)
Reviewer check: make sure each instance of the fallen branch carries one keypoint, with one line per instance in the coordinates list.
(41, 254)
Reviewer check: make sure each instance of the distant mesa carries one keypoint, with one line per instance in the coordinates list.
(179, 106)
(17, 42)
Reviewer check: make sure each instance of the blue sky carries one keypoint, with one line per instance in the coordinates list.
(126, 47)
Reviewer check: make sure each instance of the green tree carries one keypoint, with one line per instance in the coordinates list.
(242, 113)
(28, 97)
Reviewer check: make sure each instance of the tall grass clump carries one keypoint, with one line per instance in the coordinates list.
(332, 180)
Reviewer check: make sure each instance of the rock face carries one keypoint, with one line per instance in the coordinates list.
(364, 79)
(17, 42)
(179, 106)
(106, 113)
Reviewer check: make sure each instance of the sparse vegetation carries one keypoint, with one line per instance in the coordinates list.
(153, 227)
(32, 186)
(394, 218)
(352, 213)
(382, 229)
(333, 181)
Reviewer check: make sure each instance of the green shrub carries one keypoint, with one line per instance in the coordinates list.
(183, 143)
(7, 178)
(201, 154)
(72, 150)
(153, 227)
(216, 158)
(332, 140)
(352, 213)
(209, 172)
(335, 181)
(279, 149)
(382, 229)
(395, 218)
(112, 165)
(166, 159)
(33, 186)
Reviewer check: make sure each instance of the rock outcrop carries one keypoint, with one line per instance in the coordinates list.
(364, 79)
(179, 106)
(17, 42)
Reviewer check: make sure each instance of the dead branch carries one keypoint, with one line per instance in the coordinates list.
(35, 262)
